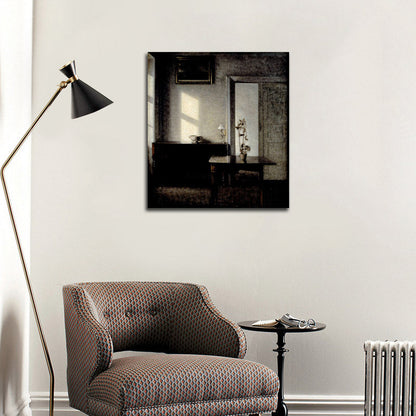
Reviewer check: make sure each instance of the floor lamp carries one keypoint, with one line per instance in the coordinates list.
(85, 100)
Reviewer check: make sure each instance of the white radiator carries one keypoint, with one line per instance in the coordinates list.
(389, 378)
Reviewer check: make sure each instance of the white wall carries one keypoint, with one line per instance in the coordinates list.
(343, 253)
(15, 116)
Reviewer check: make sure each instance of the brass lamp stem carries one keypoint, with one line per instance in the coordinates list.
(62, 85)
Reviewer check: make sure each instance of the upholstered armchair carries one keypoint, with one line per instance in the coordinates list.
(196, 366)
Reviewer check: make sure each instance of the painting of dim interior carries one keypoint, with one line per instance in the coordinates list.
(222, 143)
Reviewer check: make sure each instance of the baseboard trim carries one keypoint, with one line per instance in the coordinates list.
(300, 405)
(20, 409)
(309, 405)
(40, 404)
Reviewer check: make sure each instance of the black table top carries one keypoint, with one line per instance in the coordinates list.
(280, 328)
(236, 160)
(200, 144)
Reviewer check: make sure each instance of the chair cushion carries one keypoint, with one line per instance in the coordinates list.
(175, 384)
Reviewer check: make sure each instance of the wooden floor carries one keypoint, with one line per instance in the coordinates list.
(276, 195)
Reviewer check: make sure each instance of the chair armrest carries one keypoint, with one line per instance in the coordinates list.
(89, 345)
(199, 328)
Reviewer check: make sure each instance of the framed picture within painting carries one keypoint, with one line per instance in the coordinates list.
(195, 69)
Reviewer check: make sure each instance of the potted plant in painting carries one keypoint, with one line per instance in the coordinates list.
(243, 139)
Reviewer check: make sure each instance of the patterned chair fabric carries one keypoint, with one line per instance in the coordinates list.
(198, 370)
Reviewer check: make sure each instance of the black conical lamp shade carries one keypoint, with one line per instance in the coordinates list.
(85, 99)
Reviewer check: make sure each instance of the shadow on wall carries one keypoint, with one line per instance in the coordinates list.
(11, 366)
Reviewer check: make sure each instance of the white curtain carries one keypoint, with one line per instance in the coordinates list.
(15, 116)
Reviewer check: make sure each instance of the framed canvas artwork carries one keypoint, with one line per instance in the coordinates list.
(218, 130)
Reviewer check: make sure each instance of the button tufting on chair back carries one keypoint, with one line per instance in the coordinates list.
(136, 314)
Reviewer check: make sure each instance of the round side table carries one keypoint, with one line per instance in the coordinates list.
(281, 331)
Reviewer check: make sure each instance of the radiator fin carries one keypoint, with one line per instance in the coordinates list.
(390, 378)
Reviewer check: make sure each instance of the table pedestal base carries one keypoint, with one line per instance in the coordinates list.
(281, 406)
(281, 410)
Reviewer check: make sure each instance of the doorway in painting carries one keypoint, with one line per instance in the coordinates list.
(263, 103)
